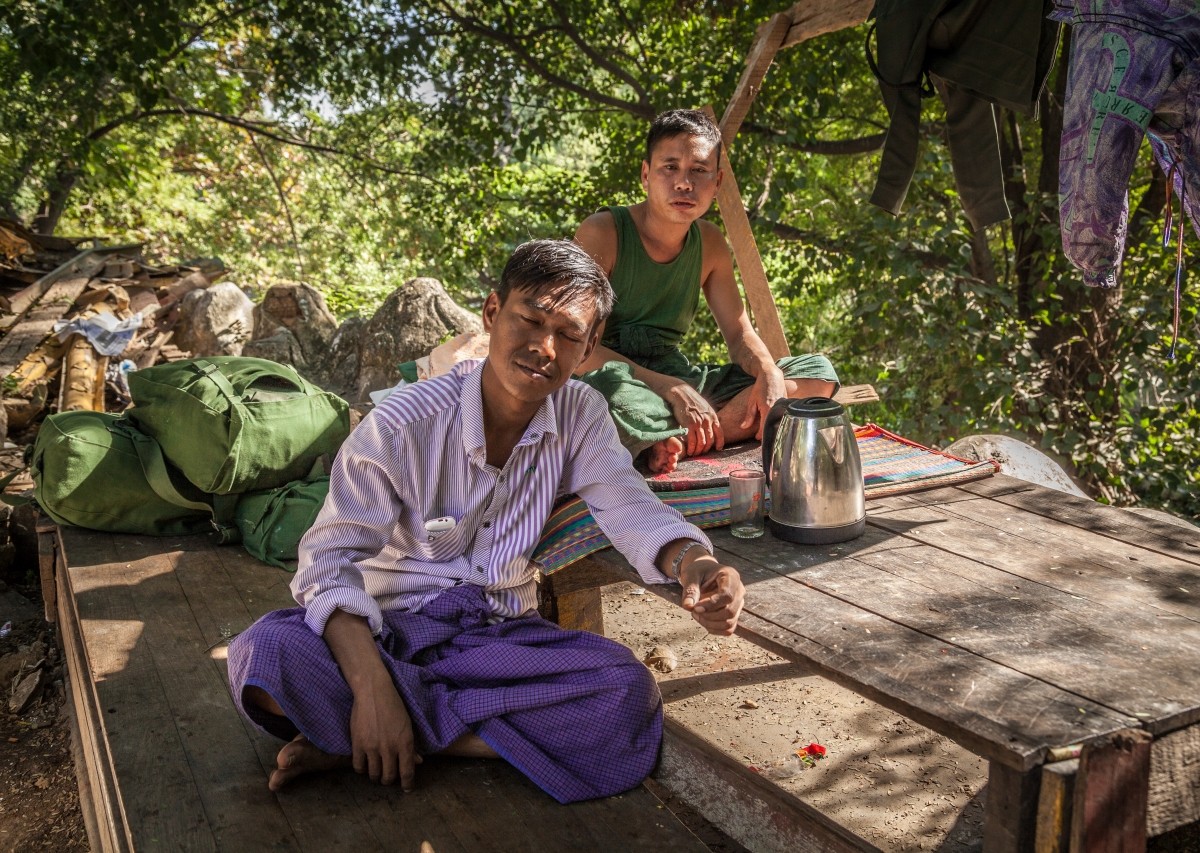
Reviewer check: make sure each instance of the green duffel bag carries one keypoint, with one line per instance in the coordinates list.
(95, 470)
(272, 521)
(234, 424)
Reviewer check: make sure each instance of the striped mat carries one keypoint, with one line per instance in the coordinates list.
(892, 465)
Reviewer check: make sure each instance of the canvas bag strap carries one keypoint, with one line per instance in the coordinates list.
(155, 469)
(13, 500)
(214, 374)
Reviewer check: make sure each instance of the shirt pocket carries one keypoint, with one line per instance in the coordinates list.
(443, 546)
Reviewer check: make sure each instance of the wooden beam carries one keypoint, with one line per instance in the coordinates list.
(1010, 816)
(1174, 781)
(766, 44)
(811, 18)
(1054, 807)
(745, 252)
(1111, 789)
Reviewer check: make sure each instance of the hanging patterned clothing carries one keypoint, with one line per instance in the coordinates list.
(1134, 69)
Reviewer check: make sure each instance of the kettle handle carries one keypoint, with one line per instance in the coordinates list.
(768, 443)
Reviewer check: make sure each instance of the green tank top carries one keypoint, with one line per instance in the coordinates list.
(656, 303)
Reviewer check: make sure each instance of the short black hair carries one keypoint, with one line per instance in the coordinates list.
(682, 123)
(562, 270)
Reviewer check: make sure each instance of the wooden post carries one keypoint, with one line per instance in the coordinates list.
(811, 18)
(1010, 817)
(749, 262)
(766, 44)
(1111, 790)
(47, 539)
(571, 596)
(1054, 807)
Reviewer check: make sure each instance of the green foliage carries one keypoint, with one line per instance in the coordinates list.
(358, 145)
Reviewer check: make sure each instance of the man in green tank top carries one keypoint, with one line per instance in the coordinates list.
(660, 255)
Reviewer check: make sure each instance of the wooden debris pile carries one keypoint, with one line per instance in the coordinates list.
(60, 302)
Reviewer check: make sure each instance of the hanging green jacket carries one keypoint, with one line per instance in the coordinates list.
(976, 54)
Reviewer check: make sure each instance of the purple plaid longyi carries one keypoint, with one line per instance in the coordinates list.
(575, 712)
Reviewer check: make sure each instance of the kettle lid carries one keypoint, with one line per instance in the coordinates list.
(815, 407)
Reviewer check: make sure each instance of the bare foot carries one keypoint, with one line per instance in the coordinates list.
(662, 457)
(470, 745)
(300, 757)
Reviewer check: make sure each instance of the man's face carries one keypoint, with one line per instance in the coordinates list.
(534, 348)
(682, 177)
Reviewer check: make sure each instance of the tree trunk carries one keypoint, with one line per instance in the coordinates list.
(58, 190)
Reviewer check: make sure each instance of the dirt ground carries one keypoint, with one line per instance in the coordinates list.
(39, 797)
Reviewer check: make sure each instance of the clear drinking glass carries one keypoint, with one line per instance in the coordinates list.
(747, 488)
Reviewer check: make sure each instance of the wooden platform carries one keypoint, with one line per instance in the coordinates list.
(1048, 634)
(167, 762)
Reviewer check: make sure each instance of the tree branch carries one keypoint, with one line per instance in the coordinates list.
(519, 52)
(835, 147)
(599, 59)
(260, 128)
(287, 208)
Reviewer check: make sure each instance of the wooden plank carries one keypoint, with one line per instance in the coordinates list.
(1010, 815)
(1054, 807)
(1060, 555)
(992, 710)
(157, 605)
(1173, 540)
(104, 814)
(749, 262)
(1119, 656)
(26, 337)
(767, 41)
(1174, 799)
(1109, 812)
(143, 733)
(745, 806)
(852, 395)
(812, 18)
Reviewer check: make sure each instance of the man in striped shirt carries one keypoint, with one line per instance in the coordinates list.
(417, 632)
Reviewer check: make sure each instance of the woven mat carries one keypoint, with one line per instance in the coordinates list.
(892, 465)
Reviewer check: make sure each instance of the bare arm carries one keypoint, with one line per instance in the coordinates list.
(380, 729)
(598, 236)
(746, 348)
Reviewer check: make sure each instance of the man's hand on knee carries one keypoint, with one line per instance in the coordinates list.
(382, 738)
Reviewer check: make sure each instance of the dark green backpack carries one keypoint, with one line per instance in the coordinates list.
(95, 470)
(273, 520)
(234, 424)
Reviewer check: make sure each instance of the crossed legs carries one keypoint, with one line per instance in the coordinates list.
(663, 457)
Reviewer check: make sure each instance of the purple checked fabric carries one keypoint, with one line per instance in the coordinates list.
(573, 711)
(1134, 68)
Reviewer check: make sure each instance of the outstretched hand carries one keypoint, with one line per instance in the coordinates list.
(714, 594)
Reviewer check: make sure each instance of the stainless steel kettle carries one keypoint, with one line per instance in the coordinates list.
(813, 471)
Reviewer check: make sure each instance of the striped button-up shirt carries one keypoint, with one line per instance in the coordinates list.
(421, 455)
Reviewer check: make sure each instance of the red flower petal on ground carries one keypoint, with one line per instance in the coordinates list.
(815, 750)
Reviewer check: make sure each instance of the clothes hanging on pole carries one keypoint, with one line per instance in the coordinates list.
(1134, 70)
(977, 54)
